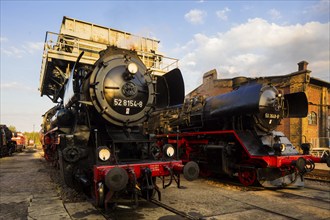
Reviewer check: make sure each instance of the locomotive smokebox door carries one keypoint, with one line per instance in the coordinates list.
(121, 89)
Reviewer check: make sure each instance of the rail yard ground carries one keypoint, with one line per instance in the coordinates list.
(31, 189)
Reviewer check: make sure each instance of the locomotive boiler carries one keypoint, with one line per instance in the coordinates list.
(96, 132)
(235, 134)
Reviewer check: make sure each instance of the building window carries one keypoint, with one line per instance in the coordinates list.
(312, 118)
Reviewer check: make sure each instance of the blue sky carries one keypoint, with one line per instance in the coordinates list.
(249, 38)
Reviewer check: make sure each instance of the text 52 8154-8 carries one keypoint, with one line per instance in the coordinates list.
(128, 103)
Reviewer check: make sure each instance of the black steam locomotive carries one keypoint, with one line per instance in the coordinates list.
(7, 146)
(96, 134)
(235, 134)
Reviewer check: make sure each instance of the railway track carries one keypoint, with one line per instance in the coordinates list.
(168, 210)
(173, 210)
(258, 201)
(313, 195)
(319, 175)
(318, 180)
(306, 195)
(123, 211)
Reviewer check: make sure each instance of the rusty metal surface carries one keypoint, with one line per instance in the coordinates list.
(62, 49)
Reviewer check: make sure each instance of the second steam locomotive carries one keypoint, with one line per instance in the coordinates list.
(235, 134)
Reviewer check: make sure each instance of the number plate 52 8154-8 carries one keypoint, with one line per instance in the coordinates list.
(128, 103)
(272, 116)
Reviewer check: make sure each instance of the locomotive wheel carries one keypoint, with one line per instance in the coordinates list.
(67, 175)
(55, 162)
(66, 171)
(71, 154)
(247, 176)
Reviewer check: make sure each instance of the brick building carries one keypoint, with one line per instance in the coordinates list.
(315, 128)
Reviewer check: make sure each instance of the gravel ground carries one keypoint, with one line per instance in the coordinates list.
(26, 179)
(67, 194)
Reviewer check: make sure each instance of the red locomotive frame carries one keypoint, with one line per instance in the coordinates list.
(161, 169)
(191, 142)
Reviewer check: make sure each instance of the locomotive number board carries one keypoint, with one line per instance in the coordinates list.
(127, 103)
(272, 116)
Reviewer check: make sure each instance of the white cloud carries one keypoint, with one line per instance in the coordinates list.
(195, 16)
(31, 47)
(222, 14)
(322, 7)
(25, 49)
(257, 48)
(3, 39)
(13, 52)
(16, 86)
(274, 14)
(247, 8)
(319, 9)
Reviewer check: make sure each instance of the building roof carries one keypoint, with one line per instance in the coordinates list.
(319, 82)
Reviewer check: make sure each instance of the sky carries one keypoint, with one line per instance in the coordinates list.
(237, 38)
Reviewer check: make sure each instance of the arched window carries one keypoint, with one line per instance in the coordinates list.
(312, 118)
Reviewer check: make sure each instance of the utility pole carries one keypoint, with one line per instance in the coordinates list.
(34, 141)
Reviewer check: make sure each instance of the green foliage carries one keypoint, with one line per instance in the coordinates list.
(12, 128)
(33, 136)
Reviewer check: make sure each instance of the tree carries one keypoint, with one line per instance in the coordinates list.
(32, 136)
(12, 128)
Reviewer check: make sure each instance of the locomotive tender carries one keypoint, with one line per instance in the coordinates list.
(235, 134)
(96, 132)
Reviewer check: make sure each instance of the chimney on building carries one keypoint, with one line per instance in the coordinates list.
(302, 65)
(210, 76)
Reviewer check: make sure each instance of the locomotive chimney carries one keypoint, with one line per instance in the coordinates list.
(302, 65)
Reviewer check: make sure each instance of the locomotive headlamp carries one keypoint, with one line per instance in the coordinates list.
(169, 150)
(104, 153)
(132, 68)
(278, 148)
